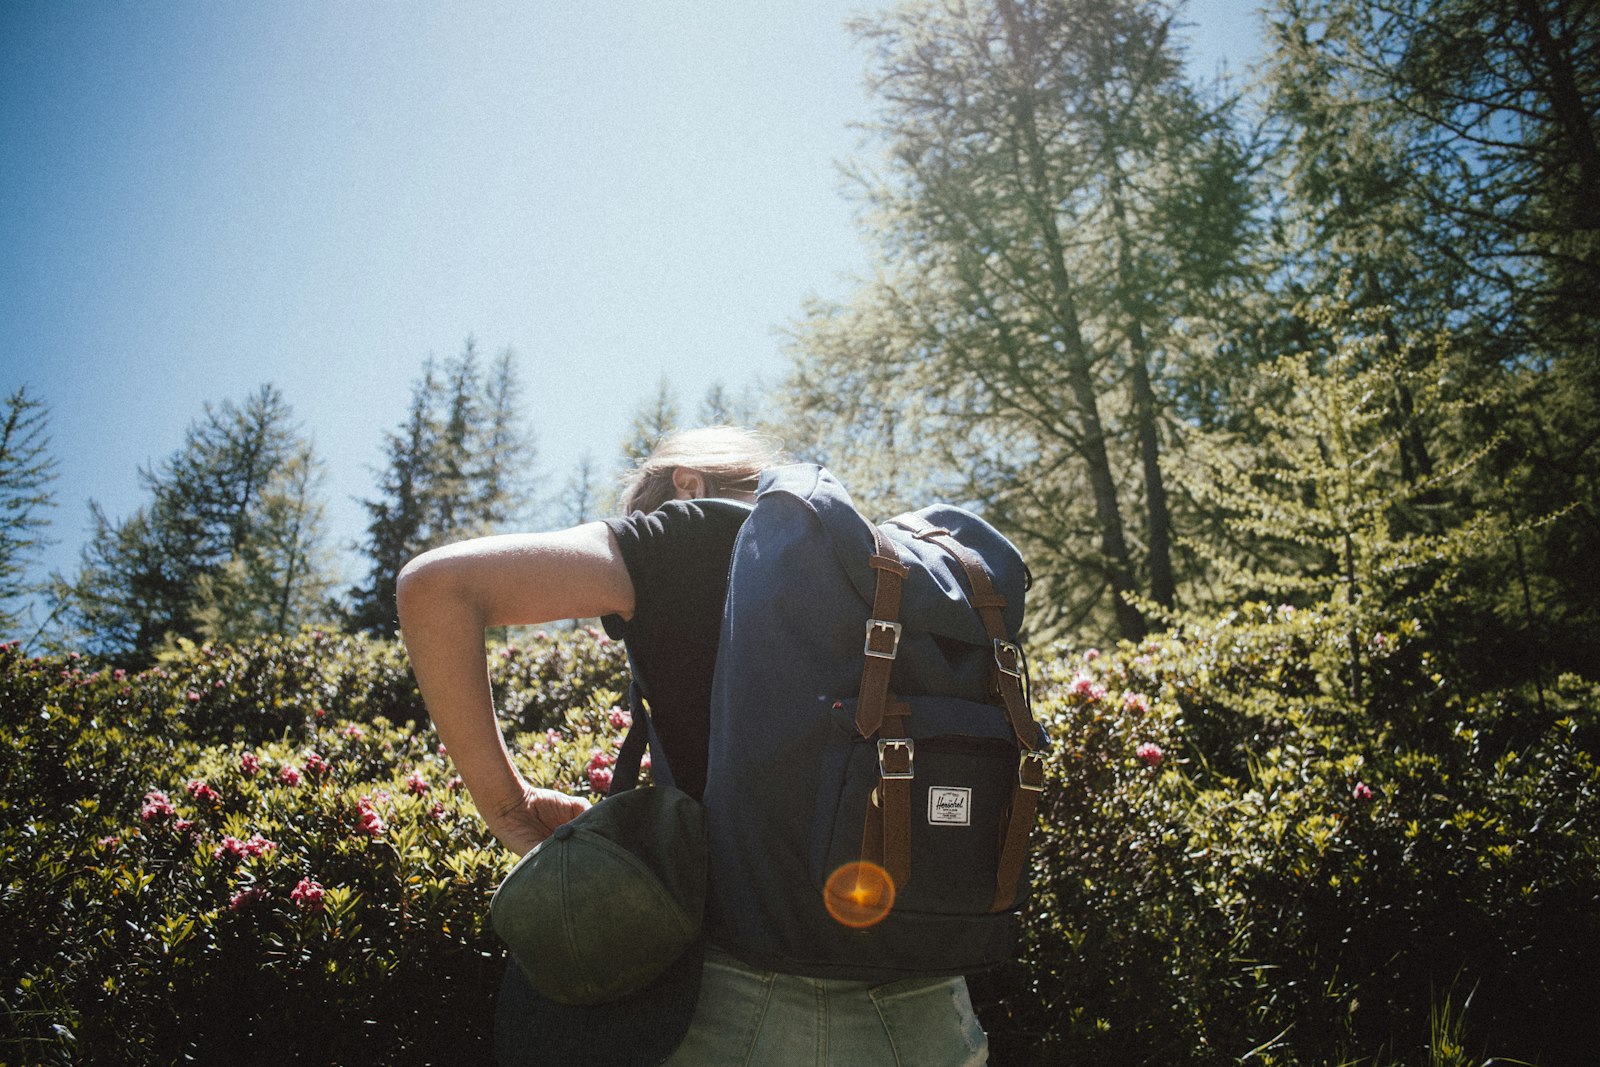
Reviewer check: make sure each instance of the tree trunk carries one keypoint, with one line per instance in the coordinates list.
(1131, 623)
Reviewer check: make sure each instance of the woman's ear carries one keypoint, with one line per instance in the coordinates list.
(688, 484)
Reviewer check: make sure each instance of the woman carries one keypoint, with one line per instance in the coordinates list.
(657, 578)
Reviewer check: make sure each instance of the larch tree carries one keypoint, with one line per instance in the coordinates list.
(1054, 205)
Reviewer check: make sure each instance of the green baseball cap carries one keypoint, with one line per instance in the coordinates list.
(604, 905)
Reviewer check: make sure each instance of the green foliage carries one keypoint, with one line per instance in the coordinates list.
(1299, 878)
(162, 831)
(26, 471)
(456, 467)
(1055, 213)
(656, 418)
(1235, 859)
(229, 544)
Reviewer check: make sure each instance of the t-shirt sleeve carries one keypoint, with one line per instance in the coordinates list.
(665, 554)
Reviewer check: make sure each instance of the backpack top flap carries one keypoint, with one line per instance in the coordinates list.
(935, 593)
(934, 599)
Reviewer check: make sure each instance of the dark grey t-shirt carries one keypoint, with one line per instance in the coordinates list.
(677, 557)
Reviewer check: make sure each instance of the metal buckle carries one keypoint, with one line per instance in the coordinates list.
(1004, 647)
(880, 626)
(910, 746)
(1037, 762)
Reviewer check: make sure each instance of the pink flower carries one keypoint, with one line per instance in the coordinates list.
(258, 846)
(307, 894)
(354, 732)
(249, 764)
(156, 806)
(368, 821)
(316, 764)
(202, 792)
(290, 775)
(246, 898)
(1150, 752)
(183, 826)
(231, 847)
(619, 718)
(1088, 688)
(1135, 702)
(553, 736)
(119, 674)
(1362, 792)
(455, 784)
(416, 784)
(541, 635)
(436, 812)
(599, 770)
(109, 841)
(1091, 655)
(194, 698)
(320, 712)
(592, 631)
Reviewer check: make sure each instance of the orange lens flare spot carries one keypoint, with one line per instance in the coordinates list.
(859, 895)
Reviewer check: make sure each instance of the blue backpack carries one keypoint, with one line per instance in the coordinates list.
(874, 763)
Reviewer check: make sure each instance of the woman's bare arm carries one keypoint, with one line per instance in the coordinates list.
(447, 597)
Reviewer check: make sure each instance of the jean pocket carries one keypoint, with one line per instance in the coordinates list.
(931, 1023)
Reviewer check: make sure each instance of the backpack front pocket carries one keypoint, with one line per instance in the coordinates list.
(962, 775)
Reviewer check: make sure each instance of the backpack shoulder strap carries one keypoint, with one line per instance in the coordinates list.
(625, 773)
(1009, 665)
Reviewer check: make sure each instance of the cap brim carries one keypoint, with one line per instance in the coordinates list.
(639, 1030)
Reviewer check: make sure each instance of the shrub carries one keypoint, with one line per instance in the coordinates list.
(1300, 879)
(259, 853)
(211, 860)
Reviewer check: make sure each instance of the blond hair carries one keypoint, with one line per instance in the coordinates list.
(730, 459)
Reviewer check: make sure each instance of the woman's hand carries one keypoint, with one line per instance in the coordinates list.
(446, 597)
(528, 821)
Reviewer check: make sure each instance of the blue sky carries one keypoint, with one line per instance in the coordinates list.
(196, 198)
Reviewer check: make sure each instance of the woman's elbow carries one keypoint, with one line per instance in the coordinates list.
(426, 581)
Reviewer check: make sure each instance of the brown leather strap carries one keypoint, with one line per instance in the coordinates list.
(886, 831)
(896, 768)
(1005, 672)
(883, 635)
(1019, 824)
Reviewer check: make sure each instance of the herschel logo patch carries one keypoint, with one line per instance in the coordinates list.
(949, 805)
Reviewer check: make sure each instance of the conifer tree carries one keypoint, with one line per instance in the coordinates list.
(1441, 156)
(582, 498)
(399, 520)
(26, 473)
(504, 451)
(656, 417)
(1056, 207)
(459, 466)
(229, 542)
(1315, 493)
(278, 578)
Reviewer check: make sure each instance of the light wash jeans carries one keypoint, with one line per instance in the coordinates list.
(751, 1018)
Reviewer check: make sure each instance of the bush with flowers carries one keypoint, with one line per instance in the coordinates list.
(1236, 858)
(1239, 860)
(259, 853)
